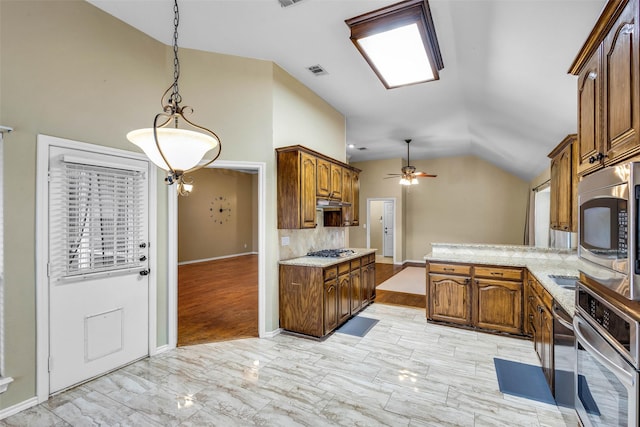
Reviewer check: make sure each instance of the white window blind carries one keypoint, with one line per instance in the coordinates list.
(97, 220)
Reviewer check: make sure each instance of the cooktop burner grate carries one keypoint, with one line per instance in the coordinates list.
(332, 253)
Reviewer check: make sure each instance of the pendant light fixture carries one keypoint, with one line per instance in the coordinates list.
(175, 143)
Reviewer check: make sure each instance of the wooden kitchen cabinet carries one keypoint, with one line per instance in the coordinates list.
(540, 324)
(305, 177)
(369, 279)
(355, 199)
(296, 190)
(449, 293)
(356, 286)
(477, 296)
(608, 70)
(347, 197)
(564, 186)
(317, 300)
(498, 299)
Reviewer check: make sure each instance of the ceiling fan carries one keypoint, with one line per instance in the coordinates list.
(409, 176)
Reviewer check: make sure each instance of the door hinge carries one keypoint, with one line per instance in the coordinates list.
(50, 363)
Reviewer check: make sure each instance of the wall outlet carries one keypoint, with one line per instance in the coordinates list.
(245, 246)
(284, 241)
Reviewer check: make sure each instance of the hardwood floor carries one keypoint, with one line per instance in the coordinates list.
(386, 271)
(218, 300)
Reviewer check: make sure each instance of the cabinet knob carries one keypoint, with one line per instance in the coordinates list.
(592, 159)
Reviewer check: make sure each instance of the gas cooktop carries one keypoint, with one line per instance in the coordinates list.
(332, 253)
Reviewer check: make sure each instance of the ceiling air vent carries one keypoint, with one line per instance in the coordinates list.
(286, 3)
(317, 70)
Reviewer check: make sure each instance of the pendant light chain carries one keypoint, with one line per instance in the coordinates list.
(175, 99)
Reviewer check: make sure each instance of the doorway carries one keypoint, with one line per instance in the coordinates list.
(381, 229)
(172, 242)
(218, 257)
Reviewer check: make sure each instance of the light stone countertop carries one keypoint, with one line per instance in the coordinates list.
(541, 262)
(316, 261)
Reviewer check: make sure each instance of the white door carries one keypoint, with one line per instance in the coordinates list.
(98, 264)
(387, 231)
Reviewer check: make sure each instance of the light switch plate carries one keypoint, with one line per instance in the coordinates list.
(284, 241)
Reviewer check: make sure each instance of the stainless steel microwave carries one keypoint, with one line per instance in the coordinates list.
(608, 226)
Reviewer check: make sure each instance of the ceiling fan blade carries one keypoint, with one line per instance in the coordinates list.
(423, 175)
(391, 177)
(394, 174)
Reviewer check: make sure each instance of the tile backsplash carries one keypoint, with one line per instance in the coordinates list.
(303, 241)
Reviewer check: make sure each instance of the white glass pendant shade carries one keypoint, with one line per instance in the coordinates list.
(183, 148)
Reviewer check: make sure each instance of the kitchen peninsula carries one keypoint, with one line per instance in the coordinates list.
(318, 294)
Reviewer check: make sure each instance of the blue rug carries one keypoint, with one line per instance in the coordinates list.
(520, 379)
(358, 326)
(528, 381)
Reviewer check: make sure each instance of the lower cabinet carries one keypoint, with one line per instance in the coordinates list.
(482, 297)
(450, 298)
(540, 325)
(315, 300)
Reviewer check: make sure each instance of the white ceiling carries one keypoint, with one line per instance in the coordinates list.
(504, 93)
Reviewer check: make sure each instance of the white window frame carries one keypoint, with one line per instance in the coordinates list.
(4, 380)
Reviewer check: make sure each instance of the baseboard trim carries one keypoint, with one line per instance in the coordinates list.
(271, 334)
(162, 349)
(196, 261)
(12, 410)
(412, 261)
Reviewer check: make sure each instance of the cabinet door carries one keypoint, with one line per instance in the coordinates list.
(554, 190)
(356, 290)
(344, 297)
(330, 305)
(323, 178)
(499, 305)
(564, 191)
(355, 199)
(369, 282)
(621, 86)
(449, 299)
(347, 194)
(336, 182)
(589, 121)
(307, 190)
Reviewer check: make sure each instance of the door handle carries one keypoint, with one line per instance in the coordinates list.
(143, 258)
(145, 272)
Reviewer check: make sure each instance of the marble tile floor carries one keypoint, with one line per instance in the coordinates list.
(404, 372)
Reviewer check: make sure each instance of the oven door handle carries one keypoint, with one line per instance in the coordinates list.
(586, 335)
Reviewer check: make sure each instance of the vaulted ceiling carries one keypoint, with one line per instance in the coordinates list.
(504, 94)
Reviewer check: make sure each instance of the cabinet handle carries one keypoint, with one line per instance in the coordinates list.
(599, 157)
(449, 269)
(496, 273)
(592, 75)
(466, 281)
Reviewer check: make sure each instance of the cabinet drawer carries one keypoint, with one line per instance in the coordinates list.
(498, 273)
(355, 264)
(330, 273)
(343, 268)
(541, 292)
(450, 269)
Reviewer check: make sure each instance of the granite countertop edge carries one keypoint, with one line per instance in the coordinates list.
(540, 268)
(315, 261)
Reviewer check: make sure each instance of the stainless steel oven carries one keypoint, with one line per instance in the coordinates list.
(608, 225)
(607, 376)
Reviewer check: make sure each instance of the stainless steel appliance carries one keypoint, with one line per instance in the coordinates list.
(332, 253)
(608, 226)
(607, 376)
(564, 358)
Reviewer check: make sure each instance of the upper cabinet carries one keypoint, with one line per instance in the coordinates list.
(564, 195)
(306, 176)
(608, 70)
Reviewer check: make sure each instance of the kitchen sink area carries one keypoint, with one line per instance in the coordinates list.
(565, 282)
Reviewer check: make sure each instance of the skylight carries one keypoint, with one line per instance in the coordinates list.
(399, 43)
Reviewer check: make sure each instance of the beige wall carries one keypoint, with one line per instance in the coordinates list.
(70, 70)
(470, 201)
(203, 231)
(295, 123)
(372, 185)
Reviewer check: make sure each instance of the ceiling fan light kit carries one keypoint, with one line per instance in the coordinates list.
(175, 143)
(408, 175)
